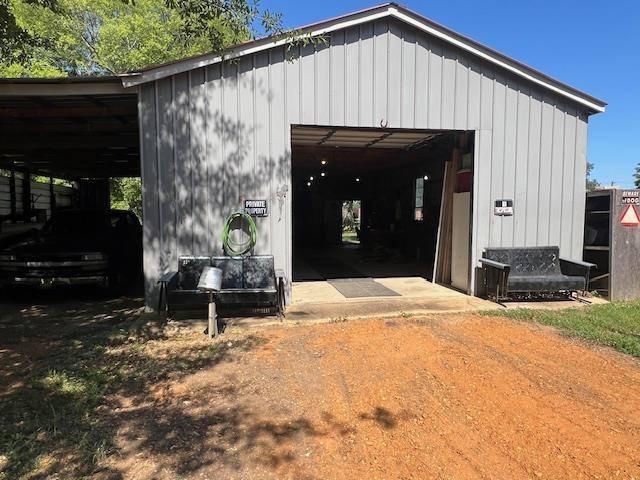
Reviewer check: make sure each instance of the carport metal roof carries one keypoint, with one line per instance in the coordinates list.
(82, 127)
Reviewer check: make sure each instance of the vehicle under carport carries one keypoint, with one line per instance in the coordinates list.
(82, 130)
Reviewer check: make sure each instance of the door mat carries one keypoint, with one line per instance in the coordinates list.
(361, 287)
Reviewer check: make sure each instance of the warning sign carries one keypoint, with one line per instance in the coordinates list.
(630, 217)
(630, 197)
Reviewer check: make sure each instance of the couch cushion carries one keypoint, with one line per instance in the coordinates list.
(544, 283)
(231, 271)
(189, 271)
(528, 261)
(259, 272)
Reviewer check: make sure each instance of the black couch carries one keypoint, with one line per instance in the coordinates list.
(532, 270)
(249, 285)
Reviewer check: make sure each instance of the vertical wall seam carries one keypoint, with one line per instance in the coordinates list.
(402, 93)
(255, 125)
(527, 196)
(504, 151)
(270, 130)
(493, 123)
(190, 153)
(455, 87)
(564, 140)
(415, 79)
(388, 72)
(442, 86)
(157, 146)
(175, 162)
(207, 197)
(373, 76)
(539, 171)
(515, 161)
(330, 52)
(344, 80)
(553, 136)
(573, 184)
(359, 76)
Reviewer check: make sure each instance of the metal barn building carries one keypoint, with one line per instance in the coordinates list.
(448, 147)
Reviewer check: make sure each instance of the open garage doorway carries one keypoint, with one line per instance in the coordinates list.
(378, 203)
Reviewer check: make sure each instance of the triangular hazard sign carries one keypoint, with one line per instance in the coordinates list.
(630, 217)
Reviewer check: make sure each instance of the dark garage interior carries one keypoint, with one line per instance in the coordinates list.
(61, 141)
(367, 202)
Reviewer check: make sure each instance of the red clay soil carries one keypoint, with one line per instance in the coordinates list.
(453, 397)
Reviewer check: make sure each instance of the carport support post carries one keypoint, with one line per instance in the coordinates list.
(213, 317)
(26, 195)
(12, 192)
(52, 196)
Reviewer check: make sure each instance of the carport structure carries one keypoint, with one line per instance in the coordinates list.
(83, 129)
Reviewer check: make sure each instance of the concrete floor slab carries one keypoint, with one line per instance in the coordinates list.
(316, 301)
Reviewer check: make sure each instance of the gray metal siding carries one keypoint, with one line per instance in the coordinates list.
(222, 133)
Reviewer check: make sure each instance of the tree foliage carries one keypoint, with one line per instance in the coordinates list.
(592, 183)
(126, 194)
(86, 37)
(636, 176)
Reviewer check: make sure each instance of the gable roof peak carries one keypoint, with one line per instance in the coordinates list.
(385, 10)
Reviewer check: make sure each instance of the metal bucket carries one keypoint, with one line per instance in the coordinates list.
(210, 280)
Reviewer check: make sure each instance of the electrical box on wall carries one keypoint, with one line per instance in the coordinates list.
(503, 208)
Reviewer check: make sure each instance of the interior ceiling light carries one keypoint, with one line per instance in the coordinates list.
(308, 184)
(426, 178)
(322, 174)
(311, 178)
(357, 179)
(323, 162)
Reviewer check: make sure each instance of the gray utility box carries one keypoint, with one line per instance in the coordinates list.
(612, 242)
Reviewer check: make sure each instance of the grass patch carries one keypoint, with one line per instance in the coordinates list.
(59, 422)
(615, 324)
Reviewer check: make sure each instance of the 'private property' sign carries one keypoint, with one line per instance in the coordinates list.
(256, 208)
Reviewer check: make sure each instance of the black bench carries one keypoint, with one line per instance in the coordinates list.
(248, 283)
(532, 270)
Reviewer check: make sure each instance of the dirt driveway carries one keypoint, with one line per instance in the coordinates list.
(465, 397)
(447, 397)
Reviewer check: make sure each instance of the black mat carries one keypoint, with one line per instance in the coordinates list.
(361, 287)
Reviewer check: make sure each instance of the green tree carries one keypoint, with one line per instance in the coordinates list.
(636, 176)
(126, 194)
(86, 37)
(592, 183)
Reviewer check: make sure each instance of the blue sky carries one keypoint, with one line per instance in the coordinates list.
(591, 45)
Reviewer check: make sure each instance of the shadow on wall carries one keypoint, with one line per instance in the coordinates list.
(204, 162)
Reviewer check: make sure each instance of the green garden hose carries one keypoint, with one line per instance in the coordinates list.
(239, 249)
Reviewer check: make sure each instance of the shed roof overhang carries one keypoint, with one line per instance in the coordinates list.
(388, 10)
(82, 127)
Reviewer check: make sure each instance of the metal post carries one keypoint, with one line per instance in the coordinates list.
(213, 318)
(26, 195)
(52, 196)
(12, 193)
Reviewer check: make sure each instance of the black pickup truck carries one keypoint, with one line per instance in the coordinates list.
(76, 247)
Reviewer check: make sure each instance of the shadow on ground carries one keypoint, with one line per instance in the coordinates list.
(79, 387)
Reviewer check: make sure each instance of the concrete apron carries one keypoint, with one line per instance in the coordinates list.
(319, 301)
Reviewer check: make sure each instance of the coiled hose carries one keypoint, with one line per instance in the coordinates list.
(239, 249)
